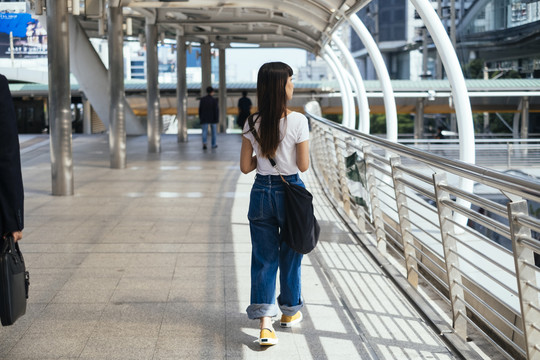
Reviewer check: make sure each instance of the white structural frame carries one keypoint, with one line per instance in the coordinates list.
(346, 91)
(460, 94)
(358, 83)
(382, 73)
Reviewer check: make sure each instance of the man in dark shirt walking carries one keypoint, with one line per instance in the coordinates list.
(209, 115)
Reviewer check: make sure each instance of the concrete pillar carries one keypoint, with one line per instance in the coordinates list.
(59, 98)
(525, 118)
(222, 92)
(438, 57)
(419, 119)
(152, 95)
(206, 67)
(425, 54)
(181, 87)
(117, 117)
(87, 116)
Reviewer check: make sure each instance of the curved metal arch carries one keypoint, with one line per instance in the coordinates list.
(459, 92)
(318, 18)
(358, 82)
(346, 92)
(252, 19)
(382, 73)
(287, 35)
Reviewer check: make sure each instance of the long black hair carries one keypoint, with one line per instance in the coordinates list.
(272, 103)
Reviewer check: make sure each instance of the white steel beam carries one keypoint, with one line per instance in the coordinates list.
(382, 73)
(459, 92)
(361, 96)
(345, 87)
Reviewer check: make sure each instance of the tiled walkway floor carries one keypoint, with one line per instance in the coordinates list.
(152, 262)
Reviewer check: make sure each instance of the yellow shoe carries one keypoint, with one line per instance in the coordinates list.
(289, 321)
(268, 337)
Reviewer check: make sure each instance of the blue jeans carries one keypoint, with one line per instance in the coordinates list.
(266, 217)
(205, 133)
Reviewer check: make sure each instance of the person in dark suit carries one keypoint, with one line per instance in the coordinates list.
(209, 114)
(11, 185)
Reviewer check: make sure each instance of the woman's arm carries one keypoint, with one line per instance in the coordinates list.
(302, 155)
(248, 162)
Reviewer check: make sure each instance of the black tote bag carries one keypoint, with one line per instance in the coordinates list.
(14, 282)
(301, 229)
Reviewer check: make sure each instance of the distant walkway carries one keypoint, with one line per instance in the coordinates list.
(152, 262)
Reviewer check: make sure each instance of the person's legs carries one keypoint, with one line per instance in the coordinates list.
(290, 298)
(204, 128)
(265, 252)
(214, 135)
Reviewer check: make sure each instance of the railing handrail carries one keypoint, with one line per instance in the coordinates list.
(474, 249)
(517, 186)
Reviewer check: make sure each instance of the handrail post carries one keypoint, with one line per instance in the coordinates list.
(451, 258)
(376, 212)
(342, 176)
(409, 251)
(525, 274)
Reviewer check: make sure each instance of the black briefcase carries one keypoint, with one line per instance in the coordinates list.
(14, 282)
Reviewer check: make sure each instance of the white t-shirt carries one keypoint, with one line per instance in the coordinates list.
(294, 130)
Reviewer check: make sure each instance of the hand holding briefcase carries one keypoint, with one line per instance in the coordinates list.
(14, 281)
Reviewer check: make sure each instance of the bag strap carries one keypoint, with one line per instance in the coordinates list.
(257, 139)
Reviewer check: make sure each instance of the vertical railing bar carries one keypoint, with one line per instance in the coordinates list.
(374, 201)
(525, 275)
(404, 223)
(451, 260)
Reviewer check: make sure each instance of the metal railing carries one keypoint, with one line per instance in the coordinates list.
(478, 258)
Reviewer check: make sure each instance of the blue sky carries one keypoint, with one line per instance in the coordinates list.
(243, 64)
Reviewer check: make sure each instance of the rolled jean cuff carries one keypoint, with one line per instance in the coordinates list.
(290, 310)
(256, 311)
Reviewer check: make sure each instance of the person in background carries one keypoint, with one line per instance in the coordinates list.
(244, 109)
(283, 135)
(11, 185)
(209, 115)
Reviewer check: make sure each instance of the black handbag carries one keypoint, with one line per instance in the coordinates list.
(14, 282)
(301, 229)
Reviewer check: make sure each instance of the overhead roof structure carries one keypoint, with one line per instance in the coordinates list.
(302, 24)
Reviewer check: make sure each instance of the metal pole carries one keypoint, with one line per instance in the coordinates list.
(438, 57)
(363, 106)
(222, 92)
(206, 67)
(87, 116)
(117, 118)
(424, 54)
(453, 22)
(59, 98)
(153, 117)
(181, 87)
(382, 74)
(525, 118)
(344, 85)
(419, 119)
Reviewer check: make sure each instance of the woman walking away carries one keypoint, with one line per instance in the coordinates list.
(278, 133)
